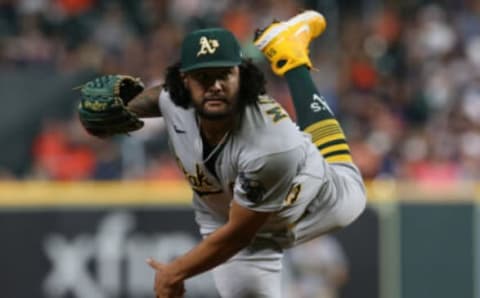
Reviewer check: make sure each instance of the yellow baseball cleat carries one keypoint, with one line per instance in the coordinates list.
(285, 44)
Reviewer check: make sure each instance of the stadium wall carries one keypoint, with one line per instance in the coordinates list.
(90, 239)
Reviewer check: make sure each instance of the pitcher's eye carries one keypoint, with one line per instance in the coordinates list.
(200, 77)
(224, 73)
(222, 76)
(197, 75)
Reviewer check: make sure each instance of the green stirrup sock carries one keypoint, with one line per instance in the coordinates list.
(315, 117)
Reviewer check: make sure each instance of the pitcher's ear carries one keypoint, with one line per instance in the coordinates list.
(184, 79)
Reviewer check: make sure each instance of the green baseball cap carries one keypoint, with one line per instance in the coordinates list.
(207, 48)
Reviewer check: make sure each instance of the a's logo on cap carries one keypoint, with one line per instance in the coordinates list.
(207, 46)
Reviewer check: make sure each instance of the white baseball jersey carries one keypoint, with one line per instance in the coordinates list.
(265, 164)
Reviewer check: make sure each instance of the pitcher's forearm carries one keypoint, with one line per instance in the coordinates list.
(211, 252)
(145, 104)
(221, 245)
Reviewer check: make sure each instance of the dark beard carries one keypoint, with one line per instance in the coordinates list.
(229, 112)
(213, 116)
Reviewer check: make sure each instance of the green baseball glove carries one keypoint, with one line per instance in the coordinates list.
(102, 109)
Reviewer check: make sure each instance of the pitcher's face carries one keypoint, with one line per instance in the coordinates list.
(214, 91)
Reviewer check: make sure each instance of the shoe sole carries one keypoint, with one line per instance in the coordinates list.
(265, 40)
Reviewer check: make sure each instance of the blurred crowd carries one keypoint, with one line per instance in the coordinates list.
(404, 80)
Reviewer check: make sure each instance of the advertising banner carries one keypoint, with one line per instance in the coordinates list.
(91, 240)
(92, 253)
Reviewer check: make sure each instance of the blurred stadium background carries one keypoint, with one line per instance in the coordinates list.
(78, 215)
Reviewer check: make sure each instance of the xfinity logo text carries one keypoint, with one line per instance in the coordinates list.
(111, 262)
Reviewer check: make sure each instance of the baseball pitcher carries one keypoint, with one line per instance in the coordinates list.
(261, 182)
